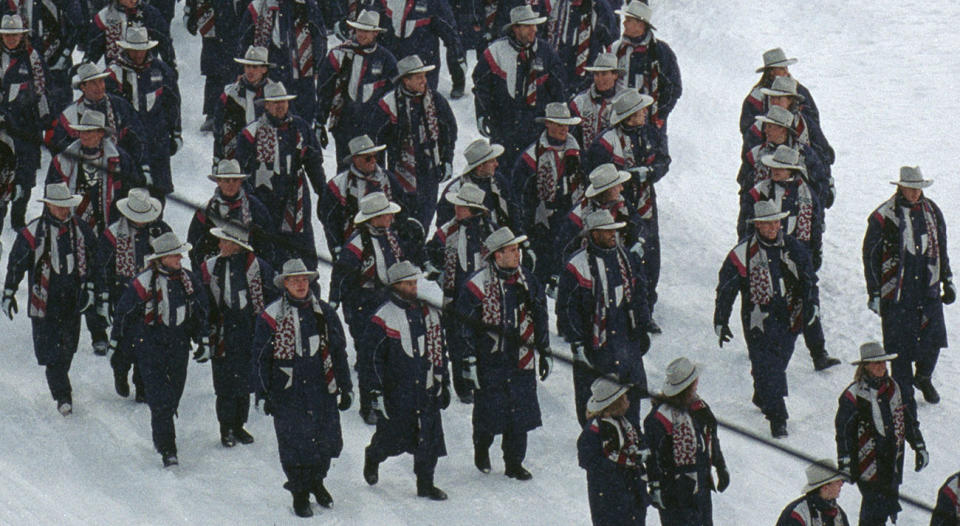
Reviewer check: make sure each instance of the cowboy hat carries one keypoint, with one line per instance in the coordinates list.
(775, 58)
(139, 207)
(767, 211)
(88, 71)
(137, 38)
(604, 177)
(524, 15)
(276, 92)
(375, 204)
(783, 87)
(628, 103)
(639, 10)
(167, 244)
(227, 169)
(777, 115)
(912, 177)
(604, 392)
(681, 373)
(558, 113)
(91, 120)
(291, 268)
(255, 56)
(366, 21)
(605, 62)
(479, 152)
(500, 238)
(403, 271)
(13, 25)
(873, 352)
(469, 195)
(411, 64)
(602, 220)
(362, 144)
(234, 234)
(58, 194)
(821, 473)
(784, 157)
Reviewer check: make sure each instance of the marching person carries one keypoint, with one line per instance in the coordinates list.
(281, 154)
(150, 85)
(121, 252)
(681, 431)
(594, 105)
(947, 512)
(518, 75)
(341, 201)
(299, 336)
(110, 25)
(296, 40)
(788, 187)
(128, 131)
(58, 27)
(906, 263)
(218, 24)
(359, 277)
(231, 202)
(237, 104)
(650, 65)
(635, 146)
(455, 253)
(602, 312)
(775, 64)
(774, 277)
(612, 450)
(420, 131)
(579, 31)
(409, 371)
(501, 365)
(239, 286)
(873, 422)
(548, 179)
(25, 108)
(353, 78)
(483, 171)
(818, 505)
(55, 250)
(160, 312)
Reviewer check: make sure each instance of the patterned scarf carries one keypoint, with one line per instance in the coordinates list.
(288, 341)
(492, 311)
(649, 84)
(156, 308)
(266, 140)
(899, 238)
(220, 206)
(563, 15)
(373, 265)
(551, 168)
(434, 345)
(303, 65)
(758, 271)
(527, 59)
(265, 13)
(455, 254)
(427, 132)
(125, 245)
(867, 430)
(206, 19)
(500, 212)
(626, 451)
(601, 292)
(46, 258)
(683, 434)
(644, 190)
(293, 214)
(39, 81)
(221, 273)
(349, 79)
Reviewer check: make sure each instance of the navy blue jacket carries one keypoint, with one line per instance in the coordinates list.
(346, 92)
(562, 29)
(105, 32)
(788, 195)
(753, 171)
(237, 107)
(947, 512)
(218, 23)
(756, 104)
(811, 507)
(447, 241)
(616, 479)
(500, 199)
(651, 67)
(206, 244)
(646, 146)
(26, 111)
(110, 277)
(304, 410)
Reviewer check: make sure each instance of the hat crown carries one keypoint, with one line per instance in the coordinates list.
(774, 56)
(137, 35)
(638, 9)
(871, 350)
(166, 242)
(294, 266)
(630, 101)
(605, 61)
(228, 167)
(780, 116)
(234, 231)
(679, 371)
(471, 195)
(498, 239)
(12, 22)
(477, 150)
(765, 209)
(786, 84)
(911, 174)
(374, 202)
(274, 89)
(57, 192)
(368, 18)
(523, 14)
(598, 219)
(603, 392)
(138, 200)
(402, 271)
(408, 64)
(786, 155)
(360, 143)
(257, 53)
(93, 118)
(557, 110)
(604, 175)
(87, 70)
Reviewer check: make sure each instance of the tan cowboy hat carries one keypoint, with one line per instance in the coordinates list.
(628, 103)
(784, 157)
(13, 25)
(469, 195)
(602, 220)
(501, 238)
(276, 92)
(411, 64)
(88, 71)
(362, 145)
(783, 87)
(639, 10)
(767, 211)
(91, 120)
(523, 15)
(605, 62)
(558, 113)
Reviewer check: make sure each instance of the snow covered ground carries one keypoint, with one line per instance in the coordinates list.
(883, 75)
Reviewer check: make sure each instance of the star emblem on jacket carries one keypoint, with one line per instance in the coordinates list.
(263, 177)
(289, 372)
(756, 318)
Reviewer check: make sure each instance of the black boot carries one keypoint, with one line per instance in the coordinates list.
(428, 490)
(778, 428)
(227, 437)
(120, 383)
(822, 360)
(517, 471)
(925, 385)
(371, 470)
(481, 459)
(100, 347)
(322, 495)
(170, 459)
(369, 416)
(301, 504)
(65, 406)
(242, 435)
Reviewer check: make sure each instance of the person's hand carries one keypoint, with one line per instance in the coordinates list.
(103, 307)
(446, 172)
(545, 364)
(321, 132)
(483, 126)
(445, 396)
(949, 292)
(723, 333)
(814, 315)
(9, 304)
(346, 400)
(176, 142)
(921, 458)
(203, 352)
(723, 479)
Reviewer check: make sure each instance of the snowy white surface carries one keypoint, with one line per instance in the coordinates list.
(882, 74)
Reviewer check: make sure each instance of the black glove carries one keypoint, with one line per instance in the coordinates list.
(817, 260)
(176, 141)
(445, 396)
(643, 342)
(321, 132)
(921, 457)
(949, 293)
(346, 400)
(545, 362)
(203, 352)
(483, 126)
(723, 479)
(9, 305)
(723, 333)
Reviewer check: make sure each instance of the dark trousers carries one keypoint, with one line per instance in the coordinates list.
(769, 370)
(691, 516)
(427, 190)
(121, 366)
(650, 232)
(457, 75)
(232, 411)
(163, 429)
(424, 459)
(302, 478)
(583, 377)
(902, 370)
(58, 378)
(813, 338)
(96, 325)
(514, 445)
(878, 504)
(55, 342)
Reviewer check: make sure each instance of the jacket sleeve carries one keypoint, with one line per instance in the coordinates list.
(660, 443)
(104, 265)
(128, 312)
(18, 262)
(661, 154)
(444, 25)
(789, 518)
(673, 87)
(946, 511)
(573, 307)
(262, 356)
(590, 448)
(845, 425)
(326, 85)
(541, 322)
(448, 129)
(468, 312)
(728, 285)
(377, 340)
(808, 278)
(945, 273)
(872, 253)
(312, 158)
(338, 348)
(483, 82)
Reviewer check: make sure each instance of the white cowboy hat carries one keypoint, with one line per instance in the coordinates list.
(411, 64)
(88, 71)
(139, 207)
(604, 392)
(681, 373)
(234, 234)
(501, 238)
(523, 15)
(479, 152)
(375, 204)
(775, 58)
(912, 177)
(167, 244)
(291, 268)
(469, 195)
(91, 120)
(366, 21)
(228, 169)
(403, 271)
(873, 352)
(137, 38)
(255, 56)
(784, 157)
(628, 103)
(58, 194)
(559, 113)
(783, 87)
(604, 177)
(821, 473)
(767, 211)
(777, 115)
(602, 220)
(605, 62)
(639, 10)
(276, 92)
(361, 145)
(13, 25)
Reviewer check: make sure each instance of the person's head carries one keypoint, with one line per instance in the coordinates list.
(912, 195)
(684, 398)
(638, 118)
(59, 212)
(406, 289)
(137, 56)
(415, 82)
(14, 31)
(618, 408)
(780, 174)
(228, 248)
(774, 133)
(607, 399)
(831, 490)
(297, 286)
(768, 230)
(557, 132)
(875, 369)
(634, 27)
(229, 186)
(784, 101)
(487, 168)
(525, 34)
(508, 257)
(129, 4)
(366, 163)
(463, 212)
(364, 37)
(604, 238)
(611, 194)
(277, 108)
(91, 138)
(93, 89)
(172, 261)
(381, 221)
(254, 74)
(605, 80)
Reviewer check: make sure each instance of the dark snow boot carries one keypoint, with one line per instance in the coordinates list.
(100, 348)
(65, 407)
(301, 504)
(207, 125)
(371, 470)
(170, 459)
(778, 428)
(141, 398)
(822, 361)
(120, 383)
(517, 471)
(227, 437)
(369, 416)
(242, 435)
(481, 459)
(322, 495)
(926, 387)
(428, 490)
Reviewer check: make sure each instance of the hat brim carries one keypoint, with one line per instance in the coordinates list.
(597, 69)
(775, 93)
(817, 485)
(215, 177)
(140, 217)
(248, 62)
(422, 69)
(763, 119)
(361, 217)
(410, 277)
(376, 149)
(455, 200)
(673, 390)
(515, 241)
(87, 127)
(495, 151)
(612, 226)
(281, 98)
(768, 161)
(278, 279)
(138, 47)
(364, 27)
(74, 200)
(595, 405)
(645, 102)
(529, 22)
(182, 250)
(624, 12)
(76, 84)
(14, 31)
(222, 234)
(593, 191)
(780, 64)
(883, 358)
(775, 217)
(913, 184)
(563, 121)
